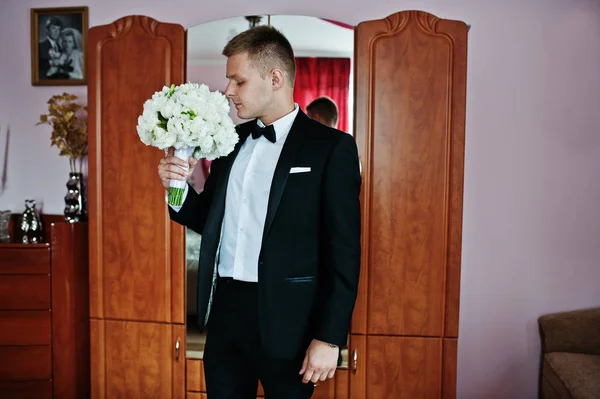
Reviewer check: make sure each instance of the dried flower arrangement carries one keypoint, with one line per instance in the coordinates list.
(69, 127)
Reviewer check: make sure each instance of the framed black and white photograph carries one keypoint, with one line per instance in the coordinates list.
(59, 46)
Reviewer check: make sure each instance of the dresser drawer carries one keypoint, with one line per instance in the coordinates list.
(24, 292)
(26, 389)
(25, 363)
(25, 260)
(25, 327)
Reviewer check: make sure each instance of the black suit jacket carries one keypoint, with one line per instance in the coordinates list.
(44, 48)
(310, 256)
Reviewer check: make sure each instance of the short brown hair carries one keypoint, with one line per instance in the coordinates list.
(267, 48)
(324, 107)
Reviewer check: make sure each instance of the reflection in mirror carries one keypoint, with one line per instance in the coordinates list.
(324, 51)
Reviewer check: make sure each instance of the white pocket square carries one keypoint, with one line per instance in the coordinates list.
(301, 169)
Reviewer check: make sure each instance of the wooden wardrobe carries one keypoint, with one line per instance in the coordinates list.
(410, 85)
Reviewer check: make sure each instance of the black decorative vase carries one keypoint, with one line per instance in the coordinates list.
(30, 225)
(75, 200)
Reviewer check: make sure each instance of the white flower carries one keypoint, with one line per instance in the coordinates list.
(157, 102)
(189, 115)
(167, 109)
(162, 138)
(145, 135)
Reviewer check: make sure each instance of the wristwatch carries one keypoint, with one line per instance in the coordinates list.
(332, 345)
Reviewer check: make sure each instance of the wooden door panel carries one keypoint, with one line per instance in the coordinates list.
(410, 133)
(457, 33)
(403, 367)
(357, 363)
(450, 368)
(139, 360)
(195, 376)
(178, 345)
(136, 253)
(98, 359)
(410, 89)
(341, 381)
(325, 389)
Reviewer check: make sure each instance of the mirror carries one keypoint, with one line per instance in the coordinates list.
(324, 61)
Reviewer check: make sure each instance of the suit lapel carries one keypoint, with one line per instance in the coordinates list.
(282, 170)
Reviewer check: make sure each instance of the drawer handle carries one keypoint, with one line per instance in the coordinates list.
(177, 350)
(354, 362)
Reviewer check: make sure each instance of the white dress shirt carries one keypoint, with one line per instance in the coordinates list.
(246, 202)
(52, 43)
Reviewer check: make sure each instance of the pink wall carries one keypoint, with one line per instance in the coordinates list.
(211, 75)
(532, 187)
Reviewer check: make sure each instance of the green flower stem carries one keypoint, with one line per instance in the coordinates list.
(176, 196)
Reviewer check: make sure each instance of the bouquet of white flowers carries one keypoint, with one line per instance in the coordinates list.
(193, 120)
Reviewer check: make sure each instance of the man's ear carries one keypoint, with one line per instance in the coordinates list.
(277, 78)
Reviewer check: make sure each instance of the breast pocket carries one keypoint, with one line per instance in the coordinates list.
(305, 279)
(300, 175)
(300, 184)
(295, 170)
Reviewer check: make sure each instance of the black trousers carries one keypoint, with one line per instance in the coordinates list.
(234, 359)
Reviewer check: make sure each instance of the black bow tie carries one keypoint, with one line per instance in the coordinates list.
(267, 131)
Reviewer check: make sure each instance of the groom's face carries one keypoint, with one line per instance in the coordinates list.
(250, 93)
(54, 31)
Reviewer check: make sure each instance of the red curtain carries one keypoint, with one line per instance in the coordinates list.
(316, 77)
(338, 23)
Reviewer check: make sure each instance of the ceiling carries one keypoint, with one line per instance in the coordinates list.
(309, 36)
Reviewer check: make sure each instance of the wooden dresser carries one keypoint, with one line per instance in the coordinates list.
(44, 316)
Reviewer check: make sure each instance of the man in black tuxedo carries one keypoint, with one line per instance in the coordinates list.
(49, 48)
(324, 110)
(280, 224)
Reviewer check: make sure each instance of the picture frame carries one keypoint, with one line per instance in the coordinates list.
(59, 46)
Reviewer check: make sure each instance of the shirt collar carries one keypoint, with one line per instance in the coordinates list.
(283, 125)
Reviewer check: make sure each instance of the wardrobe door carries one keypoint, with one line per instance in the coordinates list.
(136, 253)
(357, 366)
(410, 130)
